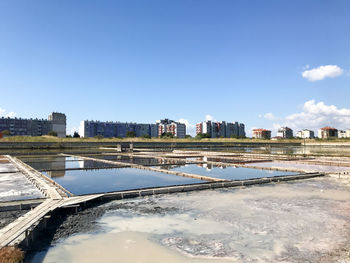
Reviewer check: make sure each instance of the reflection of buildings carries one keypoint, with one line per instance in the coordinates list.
(56, 167)
(56, 174)
(210, 166)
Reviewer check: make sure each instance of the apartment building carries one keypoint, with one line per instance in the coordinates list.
(327, 132)
(305, 134)
(221, 129)
(116, 129)
(35, 127)
(342, 134)
(285, 133)
(261, 134)
(169, 126)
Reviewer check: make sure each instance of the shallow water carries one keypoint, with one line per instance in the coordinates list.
(302, 221)
(117, 179)
(61, 164)
(137, 160)
(229, 172)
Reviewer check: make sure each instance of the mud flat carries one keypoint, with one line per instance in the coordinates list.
(300, 221)
(8, 217)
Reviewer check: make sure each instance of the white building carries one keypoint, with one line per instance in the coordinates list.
(305, 134)
(348, 133)
(341, 134)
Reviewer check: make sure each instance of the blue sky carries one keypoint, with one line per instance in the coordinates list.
(145, 60)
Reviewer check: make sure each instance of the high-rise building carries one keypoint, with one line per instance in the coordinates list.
(285, 132)
(177, 129)
(221, 129)
(116, 129)
(58, 122)
(35, 127)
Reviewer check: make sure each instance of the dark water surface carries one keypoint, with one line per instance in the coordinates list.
(117, 179)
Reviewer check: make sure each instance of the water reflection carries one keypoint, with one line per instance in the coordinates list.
(56, 166)
(117, 179)
(146, 161)
(226, 172)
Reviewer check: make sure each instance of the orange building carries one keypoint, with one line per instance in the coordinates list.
(261, 134)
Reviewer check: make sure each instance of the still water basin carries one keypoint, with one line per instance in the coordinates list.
(62, 164)
(228, 173)
(117, 179)
(147, 161)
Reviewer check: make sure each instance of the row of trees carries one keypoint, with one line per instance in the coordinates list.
(206, 135)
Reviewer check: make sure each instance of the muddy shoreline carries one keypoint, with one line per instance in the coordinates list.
(8, 217)
(89, 221)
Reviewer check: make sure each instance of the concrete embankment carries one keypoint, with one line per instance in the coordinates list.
(142, 167)
(205, 186)
(158, 145)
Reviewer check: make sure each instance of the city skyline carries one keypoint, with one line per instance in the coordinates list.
(266, 64)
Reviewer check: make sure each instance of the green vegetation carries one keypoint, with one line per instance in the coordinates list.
(146, 136)
(130, 134)
(76, 135)
(6, 133)
(202, 136)
(52, 133)
(98, 137)
(167, 135)
(238, 137)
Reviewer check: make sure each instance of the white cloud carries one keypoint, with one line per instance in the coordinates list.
(4, 113)
(190, 128)
(270, 116)
(327, 71)
(209, 118)
(316, 115)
